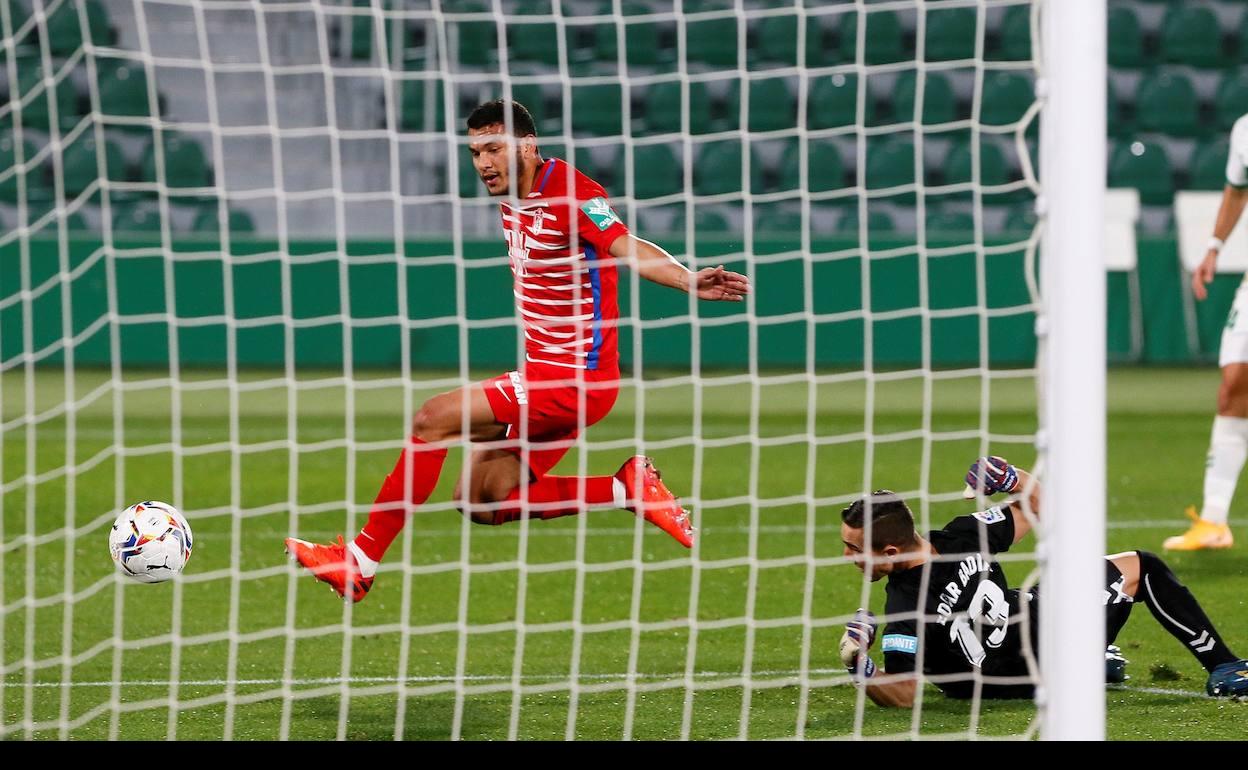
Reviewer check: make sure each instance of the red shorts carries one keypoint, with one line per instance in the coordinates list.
(547, 406)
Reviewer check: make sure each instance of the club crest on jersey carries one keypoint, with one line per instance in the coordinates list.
(600, 213)
(993, 515)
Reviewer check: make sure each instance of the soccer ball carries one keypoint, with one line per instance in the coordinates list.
(150, 542)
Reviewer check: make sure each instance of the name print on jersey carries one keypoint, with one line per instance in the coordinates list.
(987, 607)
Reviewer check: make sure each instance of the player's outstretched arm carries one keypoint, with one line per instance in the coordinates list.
(1233, 200)
(654, 264)
(995, 475)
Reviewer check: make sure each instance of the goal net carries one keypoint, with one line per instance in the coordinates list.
(243, 241)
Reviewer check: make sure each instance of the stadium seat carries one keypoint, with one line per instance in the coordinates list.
(772, 106)
(957, 165)
(878, 222)
(939, 104)
(657, 171)
(1126, 41)
(663, 108)
(951, 34)
(941, 222)
(1145, 167)
(717, 169)
(1231, 101)
(889, 164)
(1190, 34)
(416, 113)
(885, 40)
(535, 43)
(65, 33)
(81, 166)
(643, 40)
(1006, 97)
(597, 110)
(777, 41)
(1020, 219)
(474, 42)
(1207, 169)
(185, 163)
(712, 42)
(1115, 116)
(1166, 103)
(137, 220)
(706, 220)
(74, 221)
(8, 158)
(37, 109)
(208, 221)
(1014, 35)
(778, 219)
(833, 102)
(825, 170)
(123, 91)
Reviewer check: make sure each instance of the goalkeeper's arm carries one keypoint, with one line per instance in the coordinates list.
(654, 264)
(855, 649)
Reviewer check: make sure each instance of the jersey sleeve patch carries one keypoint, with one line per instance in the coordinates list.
(600, 212)
(993, 515)
(901, 643)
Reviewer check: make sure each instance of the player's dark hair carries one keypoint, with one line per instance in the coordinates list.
(892, 523)
(495, 111)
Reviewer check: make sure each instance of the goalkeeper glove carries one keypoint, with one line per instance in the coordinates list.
(992, 475)
(857, 639)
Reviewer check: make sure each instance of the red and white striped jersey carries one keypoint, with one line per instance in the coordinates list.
(565, 280)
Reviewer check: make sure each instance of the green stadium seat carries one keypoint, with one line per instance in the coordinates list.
(777, 42)
(1190, 34)
(772, 106)
(1020, 219)
(65, 32)
(706, 220)
(208, 221)
(536, 43)
(940, 222)
(663, 108)
(712, 42)
(8, 159)
(474, 42)
(597, 110)
(137, 220)
(776, 218)
(1207, 169)
(1145, 167)
(19, 14)
(1006, 97)
(37, 109)
(1231, 101)
(1014, 35)
(657, 171)
(889, 164)
(885, 41)
(833, 102)
(416, 113)
(1126, 40)
(878, 223)
(951, 34)
(939, 104)
(717, 169)
(74, 221)
(185, 163)
(643, 40)
(958, 166)
(1166, 103)
(825, 170)
(123, 91)
(81, 165)
(1119, 125)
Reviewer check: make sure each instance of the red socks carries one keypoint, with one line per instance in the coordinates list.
(389, 512)
(553, 496)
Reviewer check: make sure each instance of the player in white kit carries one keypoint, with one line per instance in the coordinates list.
(1228, 447)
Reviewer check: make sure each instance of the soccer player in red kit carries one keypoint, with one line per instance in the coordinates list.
(564, 241)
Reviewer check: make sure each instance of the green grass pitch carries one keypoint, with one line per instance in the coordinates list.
(273, 639)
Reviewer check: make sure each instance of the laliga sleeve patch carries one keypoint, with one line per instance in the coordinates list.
(993, 515)
(901, 643)
(600, 213)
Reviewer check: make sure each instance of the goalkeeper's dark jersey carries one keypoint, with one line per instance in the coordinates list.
(969, 625)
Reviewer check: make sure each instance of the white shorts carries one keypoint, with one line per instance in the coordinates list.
(1234, 349)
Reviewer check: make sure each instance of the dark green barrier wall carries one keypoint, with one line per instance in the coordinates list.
(797, 303)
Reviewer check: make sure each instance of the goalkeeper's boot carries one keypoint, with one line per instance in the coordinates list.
(333, 564)
(1115, 665)
(1202, 535)
(644, 484)
(1229, 680)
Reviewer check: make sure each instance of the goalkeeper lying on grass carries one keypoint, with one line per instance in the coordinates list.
(973, 622)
